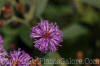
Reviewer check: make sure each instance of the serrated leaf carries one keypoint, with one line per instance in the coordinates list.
(73, 31)
(24, 33)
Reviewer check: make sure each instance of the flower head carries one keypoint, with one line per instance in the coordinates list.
(47, 35)
(19, 58)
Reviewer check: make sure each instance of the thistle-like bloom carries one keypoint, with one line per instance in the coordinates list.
(47, 36)
(19, 58)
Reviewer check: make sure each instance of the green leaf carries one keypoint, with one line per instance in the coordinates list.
(8, 31)
(7, 41)
(53, 59)
(50, 56)
(40, 5)
(24, 33)
(95, 3)
(54, 11)
(74, 31)
(90, 16)
(61, 61)
(9, 36)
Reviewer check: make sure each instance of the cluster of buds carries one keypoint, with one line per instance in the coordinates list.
(7, 10)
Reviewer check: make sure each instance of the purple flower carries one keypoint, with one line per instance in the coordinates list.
(19, 58)
(1, 40)
(2, 51)
(3, 61)
(3, 54)
(47, 36)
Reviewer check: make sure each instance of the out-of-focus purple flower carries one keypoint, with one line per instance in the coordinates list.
(1, 40)
(3, 54)
(47, 36)
(3, 61)
(19, 58)
(2, 50)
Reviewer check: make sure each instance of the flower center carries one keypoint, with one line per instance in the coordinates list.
(46, 35)
(15, 63)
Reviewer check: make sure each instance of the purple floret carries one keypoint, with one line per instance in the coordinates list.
(47, 36)
(19, 58)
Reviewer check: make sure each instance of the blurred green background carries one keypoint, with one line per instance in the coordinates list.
(78, 20)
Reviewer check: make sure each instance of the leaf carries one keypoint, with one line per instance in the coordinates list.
(8, 31)
(50, 56)
(95, 3)
(53, 58)
(90, 16)
(54, 11)
(40, 5)
(73, 31)
(61, 61)
(8, 40)
(24, 33)
(9, 36)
